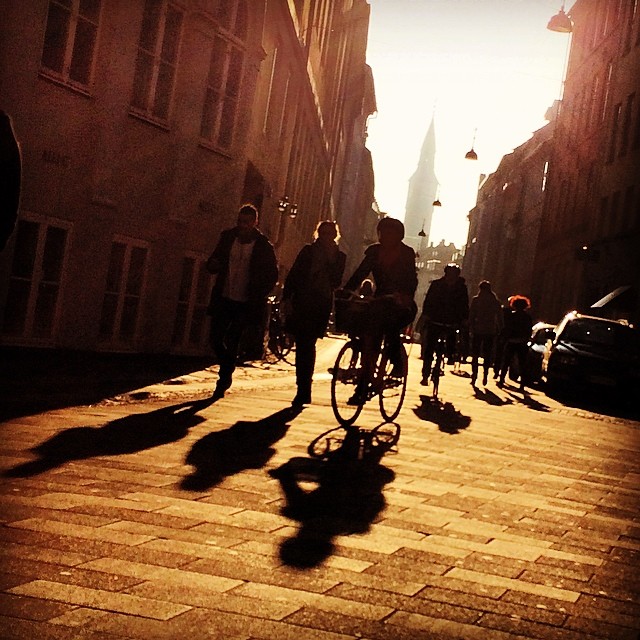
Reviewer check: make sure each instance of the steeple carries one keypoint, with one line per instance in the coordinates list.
(423, 186)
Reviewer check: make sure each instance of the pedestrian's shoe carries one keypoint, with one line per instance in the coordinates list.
(224, 382)
(474, 377)
(301, 399)
(485, 379)
(500, 383)
(425, 381)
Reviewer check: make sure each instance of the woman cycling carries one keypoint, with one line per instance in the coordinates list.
(393, 267)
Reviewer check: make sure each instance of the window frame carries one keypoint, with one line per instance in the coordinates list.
(150, 93)
(63, 75)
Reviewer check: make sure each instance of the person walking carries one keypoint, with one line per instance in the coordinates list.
(10, 176)
(245, 262)
(308, 298)
(517, 332)
(485, 323)
(446, 302)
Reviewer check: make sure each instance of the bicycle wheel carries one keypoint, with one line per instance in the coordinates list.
(347, 371)
(394, 384)
(386, 435)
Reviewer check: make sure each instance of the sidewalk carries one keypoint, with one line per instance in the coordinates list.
(155, 513)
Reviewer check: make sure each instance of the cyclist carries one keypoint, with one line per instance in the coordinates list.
(446, 303)
(393, 267)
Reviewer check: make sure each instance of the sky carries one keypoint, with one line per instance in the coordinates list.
(484, 67)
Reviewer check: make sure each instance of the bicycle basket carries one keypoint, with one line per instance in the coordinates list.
(350, 315)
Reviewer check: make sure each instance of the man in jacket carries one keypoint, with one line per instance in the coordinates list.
(446, 303)
(245, 262)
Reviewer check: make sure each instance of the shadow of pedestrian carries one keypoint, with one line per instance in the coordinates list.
(490, 397)
(130, 434)
(244, 445)
(445, 415)
(346, 499)
(529, 402)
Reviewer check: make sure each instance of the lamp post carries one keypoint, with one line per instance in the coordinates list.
(287, 209)
(561, 22)
(471, 154)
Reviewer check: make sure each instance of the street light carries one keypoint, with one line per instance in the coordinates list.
(561, 22)
(471, 154)
(436, 202)
(288, 208)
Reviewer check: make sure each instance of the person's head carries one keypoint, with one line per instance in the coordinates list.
(484, 287)
(327, 232)
(519, 303)
(451, 272)
(247, 220)
(390, 231)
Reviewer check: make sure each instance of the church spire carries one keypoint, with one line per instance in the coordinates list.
(423, 186)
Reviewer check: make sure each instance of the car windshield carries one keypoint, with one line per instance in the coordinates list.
(593, 332)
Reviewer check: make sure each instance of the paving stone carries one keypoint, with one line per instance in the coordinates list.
(106, 600)
(31, 608)
(19, 629)
(513, 585)
(529, 629)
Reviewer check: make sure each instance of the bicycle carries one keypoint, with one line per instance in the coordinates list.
(279, 341)
(389, 381)
(440, 353)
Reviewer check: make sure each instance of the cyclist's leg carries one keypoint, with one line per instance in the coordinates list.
(430, 346)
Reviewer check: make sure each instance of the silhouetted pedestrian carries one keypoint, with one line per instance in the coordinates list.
(308, 298)
(517, 332)
(10, 174)
(485, 323)
(245, 263)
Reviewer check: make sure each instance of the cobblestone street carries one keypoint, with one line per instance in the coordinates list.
(157, 513)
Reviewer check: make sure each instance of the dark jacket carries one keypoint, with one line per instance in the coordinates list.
(263, 268)
(309, 286)
(10, 170)
(446, 304)
(517, 326)
(400, 277)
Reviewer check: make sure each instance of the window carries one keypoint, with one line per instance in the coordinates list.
(617, 112)
(625, 134)
(157, 59)
(189, 328)
(70, 39)
(123, 292)
(34, 285)
(226, 69)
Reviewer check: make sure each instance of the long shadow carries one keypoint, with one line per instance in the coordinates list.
(346, 500)
(130, 434)
(490, 397)
(445, 415)
(526, 399)
(244, 445)
(35, 380)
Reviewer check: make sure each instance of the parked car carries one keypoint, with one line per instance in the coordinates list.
(540, 334)
(593, 352)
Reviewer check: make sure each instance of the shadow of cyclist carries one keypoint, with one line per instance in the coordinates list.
(445, 415)
(129, 434)
(346, 500)
(244, 445)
